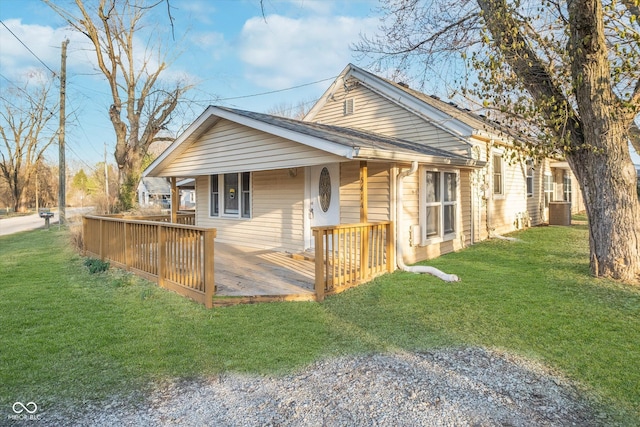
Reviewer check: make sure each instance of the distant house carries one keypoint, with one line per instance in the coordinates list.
(154, 191)
(370, 150)
(187, 190)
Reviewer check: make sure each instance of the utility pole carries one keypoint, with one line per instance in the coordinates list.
(62, 192)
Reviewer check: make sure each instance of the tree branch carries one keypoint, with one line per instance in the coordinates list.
(530, 69)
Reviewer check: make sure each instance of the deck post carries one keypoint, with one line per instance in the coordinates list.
(85, 235)
(364, 252)
(162, 262)
(127, 243)
(208, 265)
(103, 240)
(319, 259)
(390, 248)
(175, 200)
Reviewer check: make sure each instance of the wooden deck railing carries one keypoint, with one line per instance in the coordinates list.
(179, 257)
(185, 218)
(347, 255)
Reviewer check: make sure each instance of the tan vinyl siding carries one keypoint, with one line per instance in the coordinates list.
(374, 113)
(535, 203)
(379, 207)
(465, 206)
(350, 193)
(513, 201)
(277, 212)
(230, 147)
(378, 197)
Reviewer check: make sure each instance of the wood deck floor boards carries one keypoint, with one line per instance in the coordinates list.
(242, 271)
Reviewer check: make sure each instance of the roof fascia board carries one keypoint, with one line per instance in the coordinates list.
(372, 154)
(327, 94)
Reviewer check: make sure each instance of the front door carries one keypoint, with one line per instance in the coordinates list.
(324, 196)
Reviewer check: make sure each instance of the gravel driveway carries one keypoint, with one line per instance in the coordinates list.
(456, 387)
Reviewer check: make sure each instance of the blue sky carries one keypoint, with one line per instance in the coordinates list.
(225, 46)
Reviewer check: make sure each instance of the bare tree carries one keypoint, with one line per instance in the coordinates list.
(568, 72)
(142, 104)
(26, 135)
(297, 111)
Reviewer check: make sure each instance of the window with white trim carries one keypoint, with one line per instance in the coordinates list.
(566, 184)
(530, 170)
(230, 195)
(548, 189)
(498, 174)
(439, 207)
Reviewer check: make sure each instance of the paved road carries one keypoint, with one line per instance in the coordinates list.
(32, 222)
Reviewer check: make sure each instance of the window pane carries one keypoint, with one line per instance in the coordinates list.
(567, 187)
(231, 193)
(497, 174)
(530, 177)
(449, 219)
(548, 190)
(450, 187)
(433, 187)
(246, 195)
(433, 221)
(215, 196)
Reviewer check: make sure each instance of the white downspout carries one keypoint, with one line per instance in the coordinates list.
(399, 242)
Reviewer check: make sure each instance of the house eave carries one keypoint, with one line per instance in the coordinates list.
(373, 154)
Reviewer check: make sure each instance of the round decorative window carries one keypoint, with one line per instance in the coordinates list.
(324, 189)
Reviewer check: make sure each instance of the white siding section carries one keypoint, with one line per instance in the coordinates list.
(374, 113)
(230, 147)
(277, 213)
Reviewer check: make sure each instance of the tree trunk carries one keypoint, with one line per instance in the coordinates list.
(129, 176)
(608, 184)
(604, 168)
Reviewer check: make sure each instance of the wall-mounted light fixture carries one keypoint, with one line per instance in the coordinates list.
(293, 172)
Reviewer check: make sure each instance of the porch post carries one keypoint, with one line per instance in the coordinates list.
(175, 200)
(364, 192)
(319, 267)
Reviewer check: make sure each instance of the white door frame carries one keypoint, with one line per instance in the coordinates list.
(312, 209)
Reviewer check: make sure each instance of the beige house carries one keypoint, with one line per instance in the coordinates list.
(370, 150)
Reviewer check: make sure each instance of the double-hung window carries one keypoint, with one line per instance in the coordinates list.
(548, 189)
(529, 176)
(231, 195)
(566, 187)
(498, 174)
(439, 209)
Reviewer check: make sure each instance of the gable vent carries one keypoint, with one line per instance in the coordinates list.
(349, 106)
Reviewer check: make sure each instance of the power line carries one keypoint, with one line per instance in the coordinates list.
(27, 47)
(271, 92)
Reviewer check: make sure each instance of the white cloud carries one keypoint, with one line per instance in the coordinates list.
(283, 52)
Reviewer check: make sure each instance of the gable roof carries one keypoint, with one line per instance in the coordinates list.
(459, 122)
(344, 142)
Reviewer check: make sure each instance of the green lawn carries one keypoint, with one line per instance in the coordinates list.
(68, 335)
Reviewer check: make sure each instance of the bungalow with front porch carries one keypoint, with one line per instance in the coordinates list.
(265, 182)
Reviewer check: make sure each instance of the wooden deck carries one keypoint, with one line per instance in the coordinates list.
(181, 258)
(241, 271)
